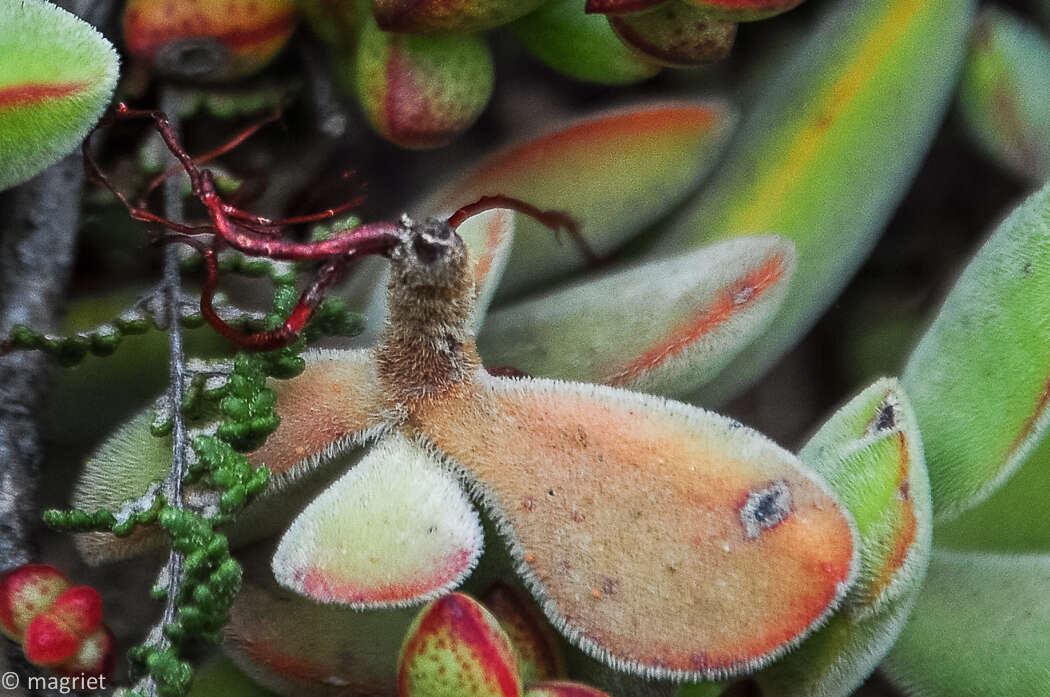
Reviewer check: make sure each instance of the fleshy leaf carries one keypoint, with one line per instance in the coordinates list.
(696, 530)
(325, 412)
(871, 455)
(664, 327)
(979, 628)
(222, 677)
(539, 654)
(745, 10)
(1003, 95)
(456, 647)
(489, 238)
(563, 688)
(812, 164)
(615, 172)
(421, 91)
(1016, 518)
(580, 45)
(979, 377)
(56, 76)
(616, 6)
(676, 34)
(294, 645)
(396, 530)
(208, 39)
(335, 23)
(448, 16)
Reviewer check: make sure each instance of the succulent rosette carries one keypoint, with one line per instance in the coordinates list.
(382, 523)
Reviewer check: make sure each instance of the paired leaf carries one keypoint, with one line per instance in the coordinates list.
(870, 454)
(580, 45)
(324, 412)
(980, 377)
(56, 76)
(812, 164)
(456, 647)
(421, 91)
(615, 172)
(979, 628)
(395, 530)
(294, 645)
(665, 327)
(1003, 95)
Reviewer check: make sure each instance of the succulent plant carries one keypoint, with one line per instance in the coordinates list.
(488, 487)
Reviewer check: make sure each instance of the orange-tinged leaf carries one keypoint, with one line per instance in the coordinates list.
(664, 327)
(456, 647)
(208, 39)
(661, 538)
(325, 412)
(395, 530)
(615, 172)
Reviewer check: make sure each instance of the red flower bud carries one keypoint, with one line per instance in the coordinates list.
(25, 592)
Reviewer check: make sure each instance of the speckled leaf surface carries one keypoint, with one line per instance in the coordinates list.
(979, 377)
(615, 172)
(56, 76)
(664, 327)
(421, 91)
(979, 628)
(827, 151)
(1003, 97)
(456, 647)
(395, 530)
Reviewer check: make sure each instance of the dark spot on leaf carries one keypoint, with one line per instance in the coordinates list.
(886, 418)
(765, 508)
